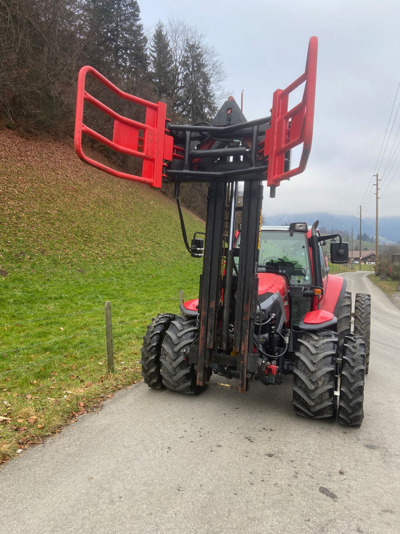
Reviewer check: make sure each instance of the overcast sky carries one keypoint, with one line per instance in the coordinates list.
(262, 45)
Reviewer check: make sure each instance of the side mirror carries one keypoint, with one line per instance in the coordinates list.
(339, 252)
(197, 246)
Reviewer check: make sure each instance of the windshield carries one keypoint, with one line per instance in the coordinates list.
(281, 252)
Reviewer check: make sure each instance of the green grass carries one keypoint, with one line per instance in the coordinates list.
(72, 239)
(387, 286)
(336, 268)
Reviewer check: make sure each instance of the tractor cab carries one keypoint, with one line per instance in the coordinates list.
(285, 251)
(295, 253)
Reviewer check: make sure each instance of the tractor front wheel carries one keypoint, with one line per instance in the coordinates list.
(314, 375)
(151, 349)
(352, 376)
(362, 322)
(176, 371)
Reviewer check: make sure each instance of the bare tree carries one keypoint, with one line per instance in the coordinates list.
(198, 72)
(37, 60)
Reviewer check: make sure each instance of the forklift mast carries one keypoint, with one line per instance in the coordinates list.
(224, 153)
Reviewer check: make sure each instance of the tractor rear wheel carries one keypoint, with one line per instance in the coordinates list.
(151, 349)
(314, 375)
(344, 319)
(362, 322)
(352, 376)
(176, 371)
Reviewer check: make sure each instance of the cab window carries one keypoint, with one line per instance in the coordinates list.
(287, 252)
(324, 270)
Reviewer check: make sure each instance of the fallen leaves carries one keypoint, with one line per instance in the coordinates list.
(56, 212)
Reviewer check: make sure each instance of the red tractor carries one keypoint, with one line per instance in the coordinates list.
(302, 326)
(267, 305)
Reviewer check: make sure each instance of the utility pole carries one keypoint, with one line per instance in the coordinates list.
(377, 224)
(359, 265)
(352, 247)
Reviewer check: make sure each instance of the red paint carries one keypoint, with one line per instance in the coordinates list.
(332, 291)
(275, 283)
(192, 305)
(151, 142)
(272, 283)
(147, 141)
(318, 317)
(294, 127)
(267, 283)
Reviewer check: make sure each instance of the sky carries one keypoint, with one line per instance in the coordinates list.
(262, 45)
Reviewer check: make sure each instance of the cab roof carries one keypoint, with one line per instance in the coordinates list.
(295, 227)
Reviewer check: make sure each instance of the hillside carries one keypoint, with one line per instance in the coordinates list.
(389, 227)
(73, 238)
(56, 207)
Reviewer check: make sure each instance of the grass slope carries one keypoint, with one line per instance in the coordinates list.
(73, 238)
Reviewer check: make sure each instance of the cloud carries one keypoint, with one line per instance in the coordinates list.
(263, 45)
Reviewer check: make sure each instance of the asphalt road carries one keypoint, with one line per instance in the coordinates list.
(155, 461)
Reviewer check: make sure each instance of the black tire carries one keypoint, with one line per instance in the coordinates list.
(314, 375)
(151, 349)
(351, 400)
(362, 322)
(176, 371)
(344, 320)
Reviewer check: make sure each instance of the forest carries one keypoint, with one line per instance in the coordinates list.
(44, 43)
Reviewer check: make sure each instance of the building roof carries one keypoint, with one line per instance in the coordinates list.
(364, 254)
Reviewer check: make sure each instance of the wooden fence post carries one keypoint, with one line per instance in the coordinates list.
(109, 338)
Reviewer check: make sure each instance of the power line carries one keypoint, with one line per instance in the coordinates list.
(392, 158)
(369, 203)
(387, 127)
(368, 198)
(368, 190)
(387, 142)
(386, 184)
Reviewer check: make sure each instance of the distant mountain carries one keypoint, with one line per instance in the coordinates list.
(389, 227)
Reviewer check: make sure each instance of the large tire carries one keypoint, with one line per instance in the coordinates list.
(314, 375)
(151, 349)
(362, 322)
(344, 320)
(351, 398)
(176, 371)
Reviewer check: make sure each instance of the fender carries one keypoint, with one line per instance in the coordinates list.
(190, 308)
(334, 292)
(318, 319)
(326, 314)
